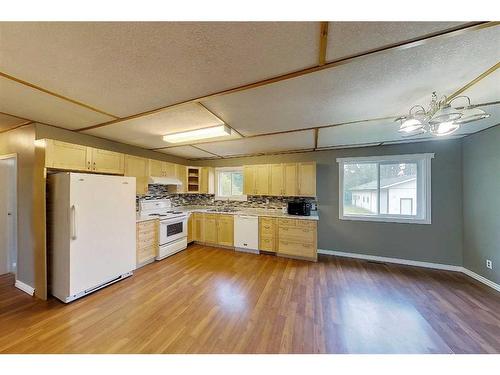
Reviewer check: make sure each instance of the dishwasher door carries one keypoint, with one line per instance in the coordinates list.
(246, 233)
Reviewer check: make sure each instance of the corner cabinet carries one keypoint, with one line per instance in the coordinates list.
(68, 156)
(306, 179)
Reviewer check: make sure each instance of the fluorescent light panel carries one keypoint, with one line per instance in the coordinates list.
(197, 134)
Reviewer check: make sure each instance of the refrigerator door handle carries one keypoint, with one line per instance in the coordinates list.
(73, 222)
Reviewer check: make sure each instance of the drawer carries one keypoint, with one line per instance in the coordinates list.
(287, 222)
(266, 228)
(267, 243)
(297, 234)
(141, 236)
(306, 223)
(297, 249)
(149, 242)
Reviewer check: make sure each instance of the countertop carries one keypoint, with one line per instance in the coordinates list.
(271, 212)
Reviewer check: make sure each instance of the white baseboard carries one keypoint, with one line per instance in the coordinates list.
(24, 287)
(481, 279)
(438, 266)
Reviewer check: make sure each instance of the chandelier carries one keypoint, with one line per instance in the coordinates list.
(441, 118)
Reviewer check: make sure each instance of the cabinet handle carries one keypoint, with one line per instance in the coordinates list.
(73, 222)
(305, 230)
(94, 166)
(88, 165)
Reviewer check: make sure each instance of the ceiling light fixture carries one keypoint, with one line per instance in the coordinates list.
(440, 119)
(197, 134)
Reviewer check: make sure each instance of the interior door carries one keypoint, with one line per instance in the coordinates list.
(8, 204)
(103, 243)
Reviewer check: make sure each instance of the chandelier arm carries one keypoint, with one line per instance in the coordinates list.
(461, 96)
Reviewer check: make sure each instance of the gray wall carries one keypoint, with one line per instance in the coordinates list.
(439, 242)
(20, 142)
(481, 185)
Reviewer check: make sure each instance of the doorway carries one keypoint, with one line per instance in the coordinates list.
(8, 214)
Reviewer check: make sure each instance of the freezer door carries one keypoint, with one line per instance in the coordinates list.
(102, 229)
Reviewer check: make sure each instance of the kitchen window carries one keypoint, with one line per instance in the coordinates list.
(229, 184)
(394, 188)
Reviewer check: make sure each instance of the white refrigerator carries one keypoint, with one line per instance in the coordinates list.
(92, 238)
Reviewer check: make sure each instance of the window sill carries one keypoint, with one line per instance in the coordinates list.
(388, 219)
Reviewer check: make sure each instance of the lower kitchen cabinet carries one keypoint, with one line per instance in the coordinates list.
(297, 238)
(267, 234)
(210, 228)
(198, 227)
(190, 228)
(225, 230)
(146, 241)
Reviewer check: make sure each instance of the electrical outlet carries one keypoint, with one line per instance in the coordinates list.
(489, 264)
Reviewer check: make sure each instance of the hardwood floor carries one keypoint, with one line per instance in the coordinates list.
(208, 300)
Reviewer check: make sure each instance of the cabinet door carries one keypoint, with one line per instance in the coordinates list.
(138, 168)
(290, 179)
(262, 179)
(156, 168)
(249, 180)
(198, 229)
(204, 180)
(169, 170)
(180, 174)
(64, 155)
(276, 179)
(190, 237)
(225, 230)
(107, 161)
(210, 228)
(307, 179)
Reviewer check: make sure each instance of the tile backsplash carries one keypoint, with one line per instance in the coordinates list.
(253, 201)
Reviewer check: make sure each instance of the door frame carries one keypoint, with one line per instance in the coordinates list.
(16, 218)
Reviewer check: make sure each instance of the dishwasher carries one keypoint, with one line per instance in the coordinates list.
(246, 233)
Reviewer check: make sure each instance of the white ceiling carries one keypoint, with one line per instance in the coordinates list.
(128, 67)
(147, 131)
(372, 87)
(27, 102)
(187, 152)
(7, 122)
(125, 68)
(303, 140)
(349, 38)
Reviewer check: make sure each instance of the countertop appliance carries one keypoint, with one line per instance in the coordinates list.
(92, 232)
(173, 225)
(246, 233)
(299, 207)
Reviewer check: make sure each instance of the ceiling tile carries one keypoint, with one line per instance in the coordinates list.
(125, 68)
(7, 122)
(387, 131)
(372, 87)
(262, 145)
(187, 152)
(147, 131)
(26, 102)
(349, 38)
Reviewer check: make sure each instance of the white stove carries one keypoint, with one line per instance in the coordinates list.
(173, 225)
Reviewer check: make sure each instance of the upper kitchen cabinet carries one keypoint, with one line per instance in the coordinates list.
(181, 174)
(256, 179)
(276, 179)
(207, 177)
(156, 168)
(169, 170)
(290, 175)
(107, 161)
(62, 155)
(68, 156)
(306, 179)
(138, 168)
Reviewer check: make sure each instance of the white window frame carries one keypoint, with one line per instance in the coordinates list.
(423, 162)
(242, 197)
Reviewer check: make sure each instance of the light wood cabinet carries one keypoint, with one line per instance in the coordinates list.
(156, 168)
(146, 241)
(290, 179)
(180, 174)
(225, 230)
(256, 179)
(105, 161)
(307, 179)
(276, 180)
(198, 227)
(169, 170)
(210, 228)
(207, 177)
(267, 234)
(62, 155)
(249, 180)
(137, 167)
(190, 236)
(297, 238)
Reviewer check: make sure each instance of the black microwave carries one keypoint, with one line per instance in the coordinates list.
(299, 207)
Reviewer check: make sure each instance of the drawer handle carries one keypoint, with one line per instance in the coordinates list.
(305, 230)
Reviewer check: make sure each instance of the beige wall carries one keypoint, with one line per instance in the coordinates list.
(21, 142)
(51, 132)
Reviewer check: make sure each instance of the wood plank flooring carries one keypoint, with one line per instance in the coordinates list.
(209, 300)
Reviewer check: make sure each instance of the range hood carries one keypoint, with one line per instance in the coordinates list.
(164, 181)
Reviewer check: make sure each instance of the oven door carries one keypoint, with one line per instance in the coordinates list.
(172, 229)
